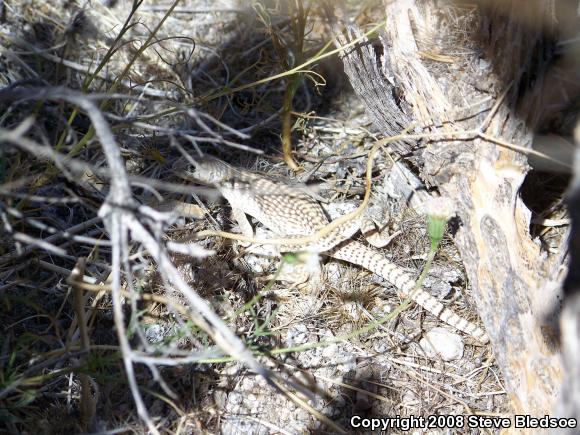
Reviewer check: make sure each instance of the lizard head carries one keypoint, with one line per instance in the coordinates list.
(211, 170)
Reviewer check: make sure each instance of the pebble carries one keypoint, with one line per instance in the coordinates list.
(441, 343)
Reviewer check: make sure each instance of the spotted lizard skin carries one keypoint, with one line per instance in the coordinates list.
(290, 211)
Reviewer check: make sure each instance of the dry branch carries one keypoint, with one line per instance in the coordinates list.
(128, 222)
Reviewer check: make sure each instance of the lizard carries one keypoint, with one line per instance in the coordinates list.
(291, 212)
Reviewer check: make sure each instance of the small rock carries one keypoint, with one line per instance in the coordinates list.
(333, 272)
(307, 306)
(409, 398)
(219, 397)
(330, 351)
(338, 209)
(380, 347)
(440, 279)
(351, 309)
(439, 342)
(259, 258)
(235, 398)
(297, 335)
(155, 333)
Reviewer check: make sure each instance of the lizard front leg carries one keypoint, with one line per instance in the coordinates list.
(244, 224)
(296, 268)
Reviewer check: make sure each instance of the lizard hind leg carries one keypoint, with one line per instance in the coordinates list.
(374, 226)
(375, 235)
(298, 269)
(304, 265)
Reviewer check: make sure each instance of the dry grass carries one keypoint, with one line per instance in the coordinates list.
(99, 333)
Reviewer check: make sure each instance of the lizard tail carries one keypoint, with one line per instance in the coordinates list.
(357, 253)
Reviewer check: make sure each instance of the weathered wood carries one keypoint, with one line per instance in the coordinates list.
(373, 86)
(454, 67)
(569, 401)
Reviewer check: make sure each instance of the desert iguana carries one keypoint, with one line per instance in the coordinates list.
(292, 212)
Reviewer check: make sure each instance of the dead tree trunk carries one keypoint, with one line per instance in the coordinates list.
(484, 71)
(569, 401)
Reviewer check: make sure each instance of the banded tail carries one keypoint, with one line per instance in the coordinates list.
(357, 253)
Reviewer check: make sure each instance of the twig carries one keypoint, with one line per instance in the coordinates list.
(88, 403)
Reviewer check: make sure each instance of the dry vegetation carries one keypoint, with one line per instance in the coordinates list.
(102, 285)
